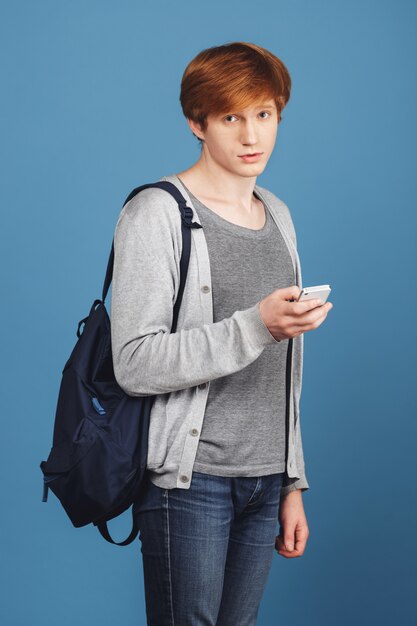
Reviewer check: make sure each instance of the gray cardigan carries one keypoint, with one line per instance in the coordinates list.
(177, 367)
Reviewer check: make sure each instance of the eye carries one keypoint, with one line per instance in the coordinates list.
(231, 115)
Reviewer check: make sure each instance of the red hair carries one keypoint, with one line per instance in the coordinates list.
(232, 77)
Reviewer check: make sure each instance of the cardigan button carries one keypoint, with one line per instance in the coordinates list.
(205, 288)
(184, 479)
(194, 432)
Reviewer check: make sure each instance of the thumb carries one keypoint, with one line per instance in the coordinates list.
(289, 540)
(290, 293)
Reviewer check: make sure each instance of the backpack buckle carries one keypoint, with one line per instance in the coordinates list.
(187, 216)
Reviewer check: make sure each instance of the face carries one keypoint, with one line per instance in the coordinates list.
(237, 133)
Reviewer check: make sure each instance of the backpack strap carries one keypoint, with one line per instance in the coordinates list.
(186, 225)
(104, 531)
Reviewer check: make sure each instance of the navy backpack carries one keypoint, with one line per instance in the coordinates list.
(97, 463)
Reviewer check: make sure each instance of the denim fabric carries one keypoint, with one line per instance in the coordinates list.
(207, 550)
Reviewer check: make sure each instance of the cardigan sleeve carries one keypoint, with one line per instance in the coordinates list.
(147, 358)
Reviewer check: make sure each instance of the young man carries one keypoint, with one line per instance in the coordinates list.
(225, 456)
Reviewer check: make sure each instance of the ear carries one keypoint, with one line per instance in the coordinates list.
(196, 129)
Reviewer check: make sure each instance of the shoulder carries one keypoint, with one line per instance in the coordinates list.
(153, 207)
(153, 217)
(155, 213)
(280, 207)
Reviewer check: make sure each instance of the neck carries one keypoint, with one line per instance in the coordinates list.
(217, 185)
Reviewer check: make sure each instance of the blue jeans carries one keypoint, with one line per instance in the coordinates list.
(207, 550)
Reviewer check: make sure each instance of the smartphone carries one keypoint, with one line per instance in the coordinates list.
(312, 293)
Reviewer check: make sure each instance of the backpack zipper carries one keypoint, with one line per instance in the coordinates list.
(97, 405)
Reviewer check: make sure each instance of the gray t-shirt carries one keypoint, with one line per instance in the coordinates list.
(243, 431)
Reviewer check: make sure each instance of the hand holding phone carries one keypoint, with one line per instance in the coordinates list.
(320, 292)
(286, 313)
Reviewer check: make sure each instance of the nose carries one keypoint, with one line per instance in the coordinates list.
(248, 137)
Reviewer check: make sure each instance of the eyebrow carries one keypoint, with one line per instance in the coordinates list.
(262, 106)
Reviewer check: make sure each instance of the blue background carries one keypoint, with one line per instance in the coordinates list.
(89, 110)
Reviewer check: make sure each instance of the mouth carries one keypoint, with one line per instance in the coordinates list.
(251, 156)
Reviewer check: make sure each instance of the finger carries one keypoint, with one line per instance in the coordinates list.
(290, 293)
(299, 308)
(280, 549)
(289, 539)
(300, 543)
(308, 320)
(280, 542)
(317, 314)
(301, 536)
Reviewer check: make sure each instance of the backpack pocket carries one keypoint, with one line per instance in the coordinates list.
(90, 475)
